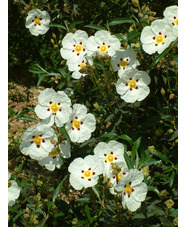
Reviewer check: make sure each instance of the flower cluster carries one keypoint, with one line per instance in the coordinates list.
(108, 160)
(41, 142)
(44, 142)
(79, 50)
(161, 33)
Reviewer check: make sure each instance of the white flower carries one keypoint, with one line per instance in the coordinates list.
(102, 43)
(75, 65)
(54, 159)
(133, 189)
(13, 190)
(132, 86)
(109, 153)
(36, 141)
(171, 16)
(124, 60)
(81, 124)
(84, 172)
(114, 178)
(157, 37)
(74, 45)
(37, 22)
(53, 107)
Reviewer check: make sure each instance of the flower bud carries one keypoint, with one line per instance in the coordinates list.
(140, 15)
(171, 96)
(163, 91)
(164, 193)
(74, 221)
(59, 135)
(54, 35)
(52, 41)
(169, 203)
(109, 185)
(52, 141)
(173, 63)
(114, 172)
(151, 148)
(37, 197)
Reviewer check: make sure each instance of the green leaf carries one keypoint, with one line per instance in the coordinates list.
(27, 118)
(154, 189)
(127, 138)
(83, 200)
(174, 136)
(171, 178)
(65, 133)
(57, 26)
(109, 135)
(173, 212)
(161, 156)
(128, 160)
(87, 211)
(96, 191)
(120, 21)
(135, 147)
(132, 35)
(57, 190)
(59, 214)
(163, 53)
(74, 23)
(94, 26)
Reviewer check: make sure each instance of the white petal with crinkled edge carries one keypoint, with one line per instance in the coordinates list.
(13, 193)
(51, 163)
(65, 148)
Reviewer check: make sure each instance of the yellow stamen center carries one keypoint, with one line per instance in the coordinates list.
(87, 174)
(9, 183)
(176, 21)
(37, 140)
(78, 48)
(54, 107)
(123, 63)
(53, 153)
(132, 84)
(103, 48)
(37, 20)
(82, 65)
(160, 39)
(76, 123)
(110, 158)
(128, 189)
(120, 175)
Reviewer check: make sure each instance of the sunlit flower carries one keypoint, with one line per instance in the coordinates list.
(171, 16)
(133, 189)
(102, 43)
(84, 172)
(13, 190)
(81, 124)
(54, 159)
(157, 37)
(37, 22)
(53, 107)
(114, 178)
(108, 154)
(75, 66)
(74, 45)
(124, 60)
(36, 141)
(132, 86)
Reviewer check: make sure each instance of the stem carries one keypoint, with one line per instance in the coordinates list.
(101, 90)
